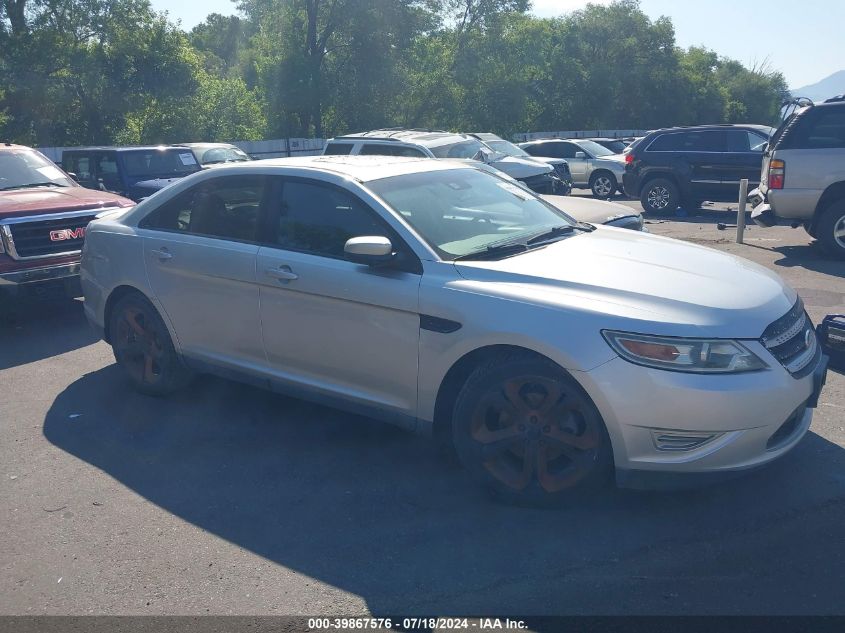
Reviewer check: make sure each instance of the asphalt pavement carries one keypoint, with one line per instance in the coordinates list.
(226, 499)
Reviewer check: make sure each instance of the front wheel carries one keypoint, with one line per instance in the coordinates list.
(830, 229)
(660, 195)
(526, 430)
(143, 348)
(603, 184)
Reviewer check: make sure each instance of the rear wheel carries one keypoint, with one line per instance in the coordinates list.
(660, 195)
(603, 184)
(143, 348)
(526, 430)
(830, 229)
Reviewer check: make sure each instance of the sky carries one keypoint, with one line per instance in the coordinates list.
(803, 39)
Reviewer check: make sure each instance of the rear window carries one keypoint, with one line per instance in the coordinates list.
(821, 128)
(702, 141)
(338, 149)
(378, 149)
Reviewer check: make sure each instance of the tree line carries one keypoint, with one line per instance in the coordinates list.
(77, 72)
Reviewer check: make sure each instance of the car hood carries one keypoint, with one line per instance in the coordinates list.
(42, 200)
(518, 167)
(611, 162)
(640, 283)
(155, 184)
(589, 209)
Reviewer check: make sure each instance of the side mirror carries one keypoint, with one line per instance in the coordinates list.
(580, 155)
(370, 250)
(73, 176)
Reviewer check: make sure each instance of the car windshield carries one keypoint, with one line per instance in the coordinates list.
(459, 212)
(221, 155)
(29, 169)
(159, 163)
(595, 149)
(508, 149)
(461, 149)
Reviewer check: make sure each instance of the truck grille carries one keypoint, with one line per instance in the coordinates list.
(792, 340)
(46, 235)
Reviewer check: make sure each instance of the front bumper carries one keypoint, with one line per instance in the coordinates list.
(42, 274)
(748, 419)
(542, 183)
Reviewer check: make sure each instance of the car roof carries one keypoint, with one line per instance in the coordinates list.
(17, 148)
(427, 138)
(486, 136)
(207, 145)
(361, 168)
(714, 126)
(123, 148)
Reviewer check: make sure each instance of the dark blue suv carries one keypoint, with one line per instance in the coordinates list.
(683, 166)
(133, 172)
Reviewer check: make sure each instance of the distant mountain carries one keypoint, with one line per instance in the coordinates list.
(824, 89)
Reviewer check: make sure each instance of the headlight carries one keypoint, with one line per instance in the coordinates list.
(693, 355)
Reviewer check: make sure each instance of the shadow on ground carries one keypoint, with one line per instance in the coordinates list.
(381, 514)
(33, 329)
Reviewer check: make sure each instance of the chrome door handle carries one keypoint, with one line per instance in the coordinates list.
(162, 254)
(282, 273)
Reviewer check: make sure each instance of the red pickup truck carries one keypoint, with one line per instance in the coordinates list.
(43, 215)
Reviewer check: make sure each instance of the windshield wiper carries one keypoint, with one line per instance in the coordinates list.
(33, 184)
(495, 251)
(551, 234)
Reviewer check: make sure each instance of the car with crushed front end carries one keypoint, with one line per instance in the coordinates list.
(592, 166)
(444, 299)
(43, 216)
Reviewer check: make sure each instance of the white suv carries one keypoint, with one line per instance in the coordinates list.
(450, 301)
(535, 175)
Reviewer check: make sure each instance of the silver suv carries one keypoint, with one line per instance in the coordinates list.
(536, 175)
(803, 176)
(450, 301)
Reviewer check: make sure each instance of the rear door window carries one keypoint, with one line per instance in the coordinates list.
(821, 128)
(228, 207)
(391, 150)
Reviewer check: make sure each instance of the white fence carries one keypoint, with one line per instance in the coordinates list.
(277, 148)
(257, 149)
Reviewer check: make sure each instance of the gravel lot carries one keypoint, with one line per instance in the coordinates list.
(230, 500)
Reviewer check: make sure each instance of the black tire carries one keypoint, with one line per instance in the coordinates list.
(143, 348)
(830, 229)
(660, 196)
(528, 432)
(603, 184)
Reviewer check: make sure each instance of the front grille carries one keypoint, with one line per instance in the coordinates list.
(792, 340)
(33, 239)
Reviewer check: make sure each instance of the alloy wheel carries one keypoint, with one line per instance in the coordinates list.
(658, 197)
(839, 232)
(534, 429)
(138, 346)
(602, 186)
